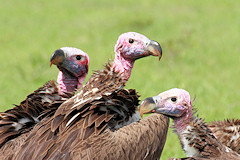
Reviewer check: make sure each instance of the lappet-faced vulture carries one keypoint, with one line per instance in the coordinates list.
(80, 124)
(196, 138)
(16, 123)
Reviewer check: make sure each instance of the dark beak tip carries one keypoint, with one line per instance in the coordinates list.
(160, 57)
(53, 56)
(156, 49)
(159, 48)
(146, 106)
(57, 57)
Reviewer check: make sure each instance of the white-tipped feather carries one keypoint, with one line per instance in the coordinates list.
(190, 151)
(70, 121)
(18, 125)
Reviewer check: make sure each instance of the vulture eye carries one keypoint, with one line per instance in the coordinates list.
(78, 58)
(173, 99)
(131, 40)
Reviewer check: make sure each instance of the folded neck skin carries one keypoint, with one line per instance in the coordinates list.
(196, 138)
(123, 66)
(182, 123)
(130, 47)
(73, 68)
(69, 83)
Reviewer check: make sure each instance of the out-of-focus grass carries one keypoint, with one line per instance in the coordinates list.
(200, 41)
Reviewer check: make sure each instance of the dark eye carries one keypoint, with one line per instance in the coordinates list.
(131, 40)
(78, 58)
(173, 99)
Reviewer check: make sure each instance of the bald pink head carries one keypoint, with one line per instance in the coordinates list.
(174, 97)
(175, 103)
(130, 47)
(73, 68)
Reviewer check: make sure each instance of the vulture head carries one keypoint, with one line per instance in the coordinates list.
(174, 103)
(131, 46)
(73, 65)
(196, 138)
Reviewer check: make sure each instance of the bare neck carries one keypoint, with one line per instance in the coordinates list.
(182, 122)
(69, 83)
(197, 139)
(123, 66)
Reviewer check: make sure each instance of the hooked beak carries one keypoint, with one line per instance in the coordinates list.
(149, 106)
(154, 49)
(57, 57)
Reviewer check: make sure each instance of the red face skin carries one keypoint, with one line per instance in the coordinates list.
(130, 47)
(73, 68)
(174, 103)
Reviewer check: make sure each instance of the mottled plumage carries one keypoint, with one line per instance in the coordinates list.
(137, 140)
(198, 141)
(227, 132)
(16, 123)
(188, 158)
(96, 107)
(101, 105)
(196, 138)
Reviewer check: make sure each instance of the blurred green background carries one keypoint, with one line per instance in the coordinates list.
(200, 41)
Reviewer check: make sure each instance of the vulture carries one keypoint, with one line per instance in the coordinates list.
(17, 122)
(80, 126)
(227, 132)
(196, 138)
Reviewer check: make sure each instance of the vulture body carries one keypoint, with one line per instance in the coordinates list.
(227, 132)
(196, 138)
(190, 158)
(16, 123)
(137, 140)
(84, 124)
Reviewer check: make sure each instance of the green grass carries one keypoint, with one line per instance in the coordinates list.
(200, 41)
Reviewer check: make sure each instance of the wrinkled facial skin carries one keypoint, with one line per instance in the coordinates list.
(76, 65)
(171, 110)
(133, 46)
(72, 60)
(174, 103)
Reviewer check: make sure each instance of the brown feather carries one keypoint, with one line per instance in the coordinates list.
(17, 122)
(198, 140)
(56, 122)
(227, 132)
(139, 140)
(189, 158)
(75, 115)
(101, 119)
